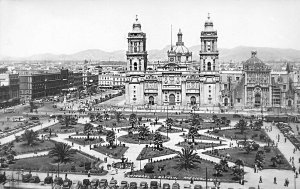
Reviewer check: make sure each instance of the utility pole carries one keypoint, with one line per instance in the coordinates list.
(206, 177)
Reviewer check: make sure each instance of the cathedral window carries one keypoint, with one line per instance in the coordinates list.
(209, 66)
(135, 66)
(140, 65)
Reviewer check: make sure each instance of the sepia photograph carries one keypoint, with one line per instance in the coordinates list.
(149, 94)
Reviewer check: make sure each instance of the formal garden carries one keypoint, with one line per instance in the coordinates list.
(152, 152)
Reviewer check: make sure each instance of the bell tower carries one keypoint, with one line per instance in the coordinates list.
(209, 66)
(136, 65)
(136, 54)
(209, 53)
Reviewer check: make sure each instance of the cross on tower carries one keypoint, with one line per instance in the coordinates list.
(136, 17)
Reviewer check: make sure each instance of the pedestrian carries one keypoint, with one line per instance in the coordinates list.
(285, 139)
(260, 179)
(275, 182)
(192, 181)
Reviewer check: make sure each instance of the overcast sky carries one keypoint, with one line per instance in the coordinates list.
(67, 26)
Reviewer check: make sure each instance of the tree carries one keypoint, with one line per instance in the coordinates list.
(158, 140)
(187, 159)
(239, 163)
(193, 131)
(196, 119)
(132, 119)
(219, 169)
(224, 164)
(143, 131)
(118, 116)
(110, 137)
(92, 117)
(88, 129)
(30, 136)
(238, 172)
(248, 147)
(148, 168)
(62, 152)
(215, 118)
(169, 123)
(67, 120)
(242, 125)
(257, 125)
(274, 161)
(106, 116)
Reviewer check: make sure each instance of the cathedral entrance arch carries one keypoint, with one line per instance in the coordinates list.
(257, 100)
(226, 102)
(209, 66)
(172, 99)
(151, 100)
(193, 100)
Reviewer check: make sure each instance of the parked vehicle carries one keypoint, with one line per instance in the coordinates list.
(133, 185)
(94, 183)
(113, 184)
(58, 181)
(48, 180)
(143, 185)
(153, 185)
(26, 177)
(124, 185)
(9, 110)
(34, 179)
(18, 119)
(198, 186)
(86, 182)
(187, 186)
(166, 186)
(175, 186)
(67, 184)
(34, 118)
(103, 183)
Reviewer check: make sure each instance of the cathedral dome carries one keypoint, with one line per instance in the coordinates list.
(181, 49)
(208, 26)
(254, 63)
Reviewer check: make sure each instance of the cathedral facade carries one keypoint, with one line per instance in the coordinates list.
(180, 82)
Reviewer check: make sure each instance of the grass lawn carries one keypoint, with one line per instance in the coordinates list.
(22, 147)
(110, 123)
(198, 145)
(240, 153)
(201, 137)
(84, 141)
(116, 152)
(171, 169)
(151, 152)
(203, 125)
(235, 134)
(135, 139)
(45, 164)
(172, 130)
(59, 128)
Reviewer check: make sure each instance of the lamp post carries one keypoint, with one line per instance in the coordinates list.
(160, 169)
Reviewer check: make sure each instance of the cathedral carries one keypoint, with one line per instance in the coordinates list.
(181, 82)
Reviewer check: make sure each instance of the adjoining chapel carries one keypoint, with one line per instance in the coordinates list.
(179, 82)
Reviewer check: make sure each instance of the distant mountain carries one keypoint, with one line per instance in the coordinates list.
(237, 54)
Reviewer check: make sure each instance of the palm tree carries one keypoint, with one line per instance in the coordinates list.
(88, 129)
(242, 125)
(187, 159)
(158, 140)
(219, 169)
(214, 117)
(92, 117)
(239, 163)
(110, 137)
(30, 136)
(143, 131)
(169, 123)
(62, 152)
(193, 131)
(224, 164)
(132, 119)
(118, 116)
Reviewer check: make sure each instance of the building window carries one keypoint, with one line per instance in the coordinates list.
(237, 78)
(134, 87)
(209, 91)
(140, 65)
(238, 100)
(225, 86)
(209, 66)
(284, 87)
(135, 66)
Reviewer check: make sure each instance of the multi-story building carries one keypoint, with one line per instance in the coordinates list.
(112, 80)
(176, 82)
(10, 82)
